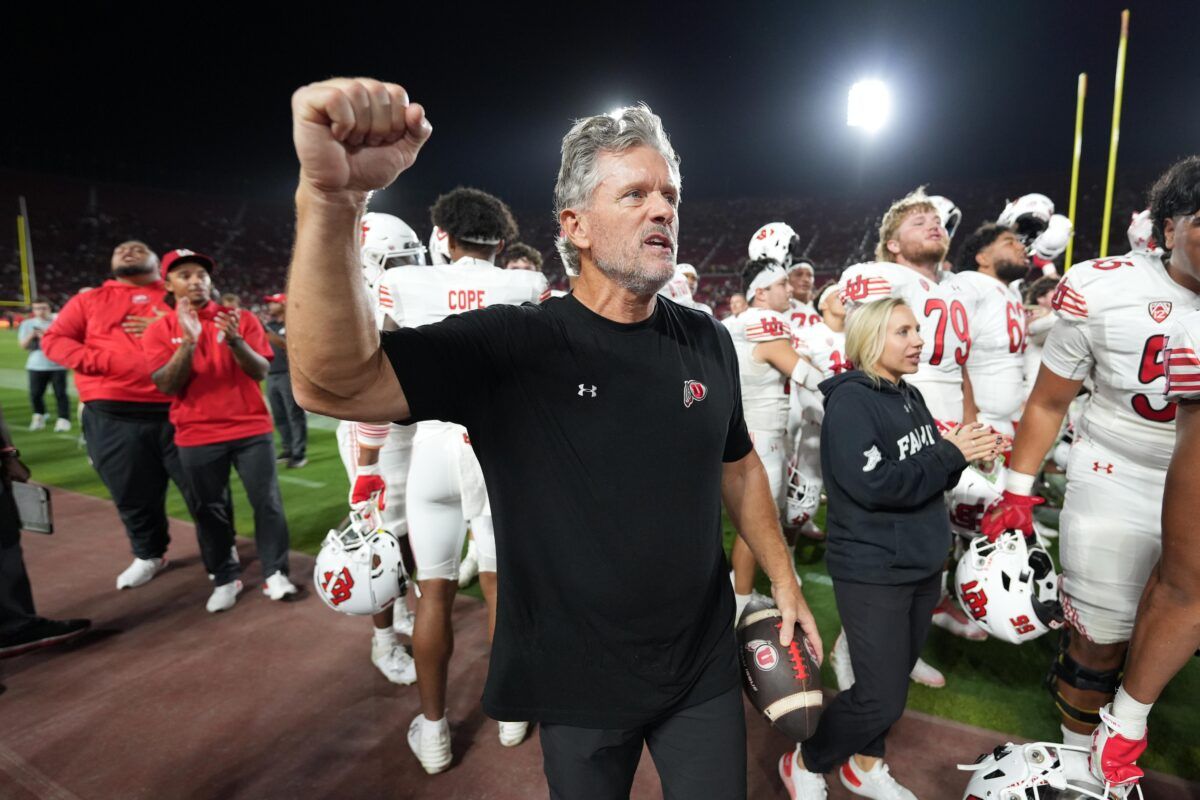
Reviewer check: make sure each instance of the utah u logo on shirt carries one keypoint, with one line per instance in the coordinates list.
(693, 392)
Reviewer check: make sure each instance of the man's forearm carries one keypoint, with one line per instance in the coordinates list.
(251, 362)
(325, 273)
(751, 508)
(174, 375)
(1036, 434)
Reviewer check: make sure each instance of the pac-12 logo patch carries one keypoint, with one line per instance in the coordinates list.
(1159, 310)
(766, 657)
(693, 392)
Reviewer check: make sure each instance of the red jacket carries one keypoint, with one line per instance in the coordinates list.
(87, 337)
(220, 402)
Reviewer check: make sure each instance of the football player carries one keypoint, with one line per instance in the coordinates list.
(762, 338)
(376, 455)
(1113, 317)
(1046, 234)
(991, 259)
(1039, 319)
(737, 304)
(445, 485)
(801, 312)
(693, 281)
(911, 248)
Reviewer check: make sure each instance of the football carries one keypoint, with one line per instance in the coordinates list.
(783, 683)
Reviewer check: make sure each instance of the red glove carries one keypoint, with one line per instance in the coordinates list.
(1113, 758)
(1011, 512)
(365, 486)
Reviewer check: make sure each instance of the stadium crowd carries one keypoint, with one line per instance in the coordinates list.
(932, 304)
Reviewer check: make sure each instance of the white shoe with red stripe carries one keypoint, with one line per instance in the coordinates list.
(1113, 760)
(877, 783)
(950, 617)
(799, 782)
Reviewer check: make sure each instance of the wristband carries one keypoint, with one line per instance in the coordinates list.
(367, 469)
(1019, 482)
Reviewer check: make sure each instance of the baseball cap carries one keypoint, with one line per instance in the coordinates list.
(175, 256)
(278, 297)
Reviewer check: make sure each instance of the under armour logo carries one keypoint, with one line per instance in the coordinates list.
(588, 390)
(1105, 468)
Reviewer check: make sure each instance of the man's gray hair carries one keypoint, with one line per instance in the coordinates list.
(634, 126)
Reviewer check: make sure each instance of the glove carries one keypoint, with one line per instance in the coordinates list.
(1011, 512)
(1113, 758)
(367, 482)
(1053, 241)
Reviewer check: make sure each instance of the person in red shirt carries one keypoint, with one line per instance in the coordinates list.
(130, 440)
(210, 360)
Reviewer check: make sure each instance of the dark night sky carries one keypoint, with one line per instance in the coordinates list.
(753, 94)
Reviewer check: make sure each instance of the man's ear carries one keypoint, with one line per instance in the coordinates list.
(1169, 234)
(576, 227)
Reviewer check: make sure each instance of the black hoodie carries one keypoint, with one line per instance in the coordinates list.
(886, 468)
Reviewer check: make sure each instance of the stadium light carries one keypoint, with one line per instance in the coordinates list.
(869, 105)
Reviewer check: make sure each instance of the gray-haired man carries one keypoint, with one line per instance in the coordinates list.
(609, 427)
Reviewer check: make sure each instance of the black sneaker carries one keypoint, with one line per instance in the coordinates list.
(296, 463)
(41, 633)
(283, 457)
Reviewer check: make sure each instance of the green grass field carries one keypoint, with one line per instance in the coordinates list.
(989, 684)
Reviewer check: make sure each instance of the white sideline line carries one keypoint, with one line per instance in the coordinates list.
(301, 482)
(817, 577)
(32, 779)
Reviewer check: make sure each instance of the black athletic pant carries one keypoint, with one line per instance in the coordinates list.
(886, 628)
(57, 378)
(206, 468)
(16, 597)
(700, 751)
(136, 457)
(290, 419)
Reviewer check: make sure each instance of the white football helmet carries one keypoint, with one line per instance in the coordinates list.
(1036, 771)
(949, 213)
(803, 495)
(359, 570)
(387, 242)
(1141, 233)
(970, 497)
(1028, 216)
(1009, 588)
(439, 246)
(776, 241)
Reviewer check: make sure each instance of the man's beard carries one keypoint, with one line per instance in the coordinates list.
(931, 253)
(1009, 271)
(623, 270)
(133, 270)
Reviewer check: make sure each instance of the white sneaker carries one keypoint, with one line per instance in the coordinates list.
(278, 587)
(839, 657)
(63, 425)
(943, 618)
(878, 783)
(468, 568)
(394, 662)
(402, 617)
(223, 597)
(513, 733)
(927, 675)
(799, 782)
(37, 422)
(140, 572)
(430, 743)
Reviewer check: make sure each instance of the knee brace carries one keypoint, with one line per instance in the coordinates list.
(1085, 679)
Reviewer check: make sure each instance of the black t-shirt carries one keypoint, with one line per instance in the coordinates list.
(602, 445)
(279, 364)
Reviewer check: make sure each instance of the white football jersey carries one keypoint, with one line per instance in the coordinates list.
(824, 347)
(936, 305)
(801, 315)
(764, 392)
(1114, 315)
(412, 296)
(996, 317)
(1182, 359)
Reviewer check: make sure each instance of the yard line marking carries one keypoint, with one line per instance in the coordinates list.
(301, 482)
(31, 778)
(816, 577)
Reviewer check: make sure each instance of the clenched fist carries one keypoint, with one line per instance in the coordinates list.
(355, 134)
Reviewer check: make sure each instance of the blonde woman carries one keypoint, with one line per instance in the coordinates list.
(885, 468)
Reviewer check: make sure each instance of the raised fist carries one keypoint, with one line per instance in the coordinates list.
(355, 134)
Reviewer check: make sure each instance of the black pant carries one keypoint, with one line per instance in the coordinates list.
(38, 378)
(207, 472)
(136, 457)
(16, 597)
(886, 628)
(700, 751)
(290, 419)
